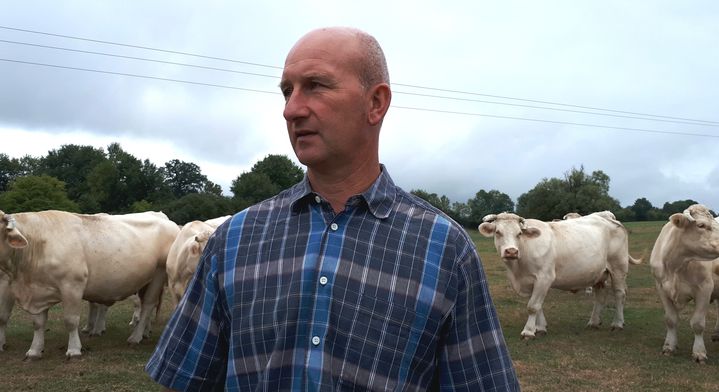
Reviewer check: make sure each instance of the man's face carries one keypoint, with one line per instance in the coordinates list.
(326, 106)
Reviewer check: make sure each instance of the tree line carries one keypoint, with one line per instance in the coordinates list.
(552, 198)
(89, 180)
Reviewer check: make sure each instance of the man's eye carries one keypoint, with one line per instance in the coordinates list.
(286, 92)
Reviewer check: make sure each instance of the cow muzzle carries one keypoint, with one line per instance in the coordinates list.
(510, 254)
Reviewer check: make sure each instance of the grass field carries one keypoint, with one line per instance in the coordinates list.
(569, 358)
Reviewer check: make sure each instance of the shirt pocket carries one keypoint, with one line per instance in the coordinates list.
(376, 333)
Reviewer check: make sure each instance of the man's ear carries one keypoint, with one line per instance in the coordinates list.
(380, 97)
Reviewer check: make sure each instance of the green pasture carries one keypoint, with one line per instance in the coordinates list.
(569, 358)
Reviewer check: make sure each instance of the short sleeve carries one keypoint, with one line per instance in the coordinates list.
(192, 351)
(475, 356)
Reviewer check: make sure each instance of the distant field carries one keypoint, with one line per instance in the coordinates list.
(569, 358)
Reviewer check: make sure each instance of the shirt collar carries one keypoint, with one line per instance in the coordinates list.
(379, 196)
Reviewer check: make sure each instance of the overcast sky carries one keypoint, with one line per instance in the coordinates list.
(629, 88)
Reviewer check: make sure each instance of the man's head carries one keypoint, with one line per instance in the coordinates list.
(336, 88)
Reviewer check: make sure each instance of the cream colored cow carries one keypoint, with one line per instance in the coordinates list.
(568, 255)
(685, 266)
(185, 253)
(56, 256)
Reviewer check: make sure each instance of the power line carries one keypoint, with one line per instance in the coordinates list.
(701, 123)
(559, 122)
(395, 106)
(397, 84)
(138, 58)
(556, 103)
(139, 47)
(141, 76)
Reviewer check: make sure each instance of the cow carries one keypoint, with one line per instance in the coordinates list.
(685, 265)
(60, 257)
(568, 255)
(185, 253)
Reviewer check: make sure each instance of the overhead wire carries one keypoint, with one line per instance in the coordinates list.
(396, 84)
(658, 117)
(687, 122)
(395, 106)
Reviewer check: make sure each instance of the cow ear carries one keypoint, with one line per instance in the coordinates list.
(16, 239)
(531, 232)
(679, 220)
(195, 247)
(487, 229)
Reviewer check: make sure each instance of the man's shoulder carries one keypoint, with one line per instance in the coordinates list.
(430, 211)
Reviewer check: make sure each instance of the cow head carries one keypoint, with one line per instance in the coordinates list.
(508, 230)
(198, 246)
(9, 232)
(699, 232)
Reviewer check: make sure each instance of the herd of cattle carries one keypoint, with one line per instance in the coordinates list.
(50, 257)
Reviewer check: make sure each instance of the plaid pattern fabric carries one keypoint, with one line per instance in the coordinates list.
(388, 295)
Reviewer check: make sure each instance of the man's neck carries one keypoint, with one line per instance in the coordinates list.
(337, 186)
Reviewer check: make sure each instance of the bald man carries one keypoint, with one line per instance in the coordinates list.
(343, 282)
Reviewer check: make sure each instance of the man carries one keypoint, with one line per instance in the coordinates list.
(343, 281)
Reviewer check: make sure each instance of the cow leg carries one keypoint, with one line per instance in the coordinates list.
(38, 338)
(137, 308)
(96, 324)
(541, 324)
(619, 285)
(534, 308)
(72, 308)
(671, 318)
(151, 297)
(715, 335)
(698, 324)
(91, 316)
(599, 295)
(7, 301)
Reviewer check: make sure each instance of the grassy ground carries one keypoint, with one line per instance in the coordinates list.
(569, 358)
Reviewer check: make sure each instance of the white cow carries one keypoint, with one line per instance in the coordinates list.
(685, 266)
(56, 256)
(185, 252)
(567, 255)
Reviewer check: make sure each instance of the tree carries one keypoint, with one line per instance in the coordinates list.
(72, 164)
(280, 169)
(677, 206)
(641, 209)
(267, 177)
(10, 169)
(198, 206)
(184, 178)
(440, 202)
(492, 202)
(577, 192)
(252, 187)
(36, 193)
(545, 201)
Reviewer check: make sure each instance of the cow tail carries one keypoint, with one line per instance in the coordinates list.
(634, 261)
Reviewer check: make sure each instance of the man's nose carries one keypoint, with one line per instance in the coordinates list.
(295, 106)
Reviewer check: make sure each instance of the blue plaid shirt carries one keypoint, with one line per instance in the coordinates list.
(388, 295)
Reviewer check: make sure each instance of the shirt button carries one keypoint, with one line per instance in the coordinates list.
(317, 199)
(316, 340)
(334, 227)
(323, 280)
